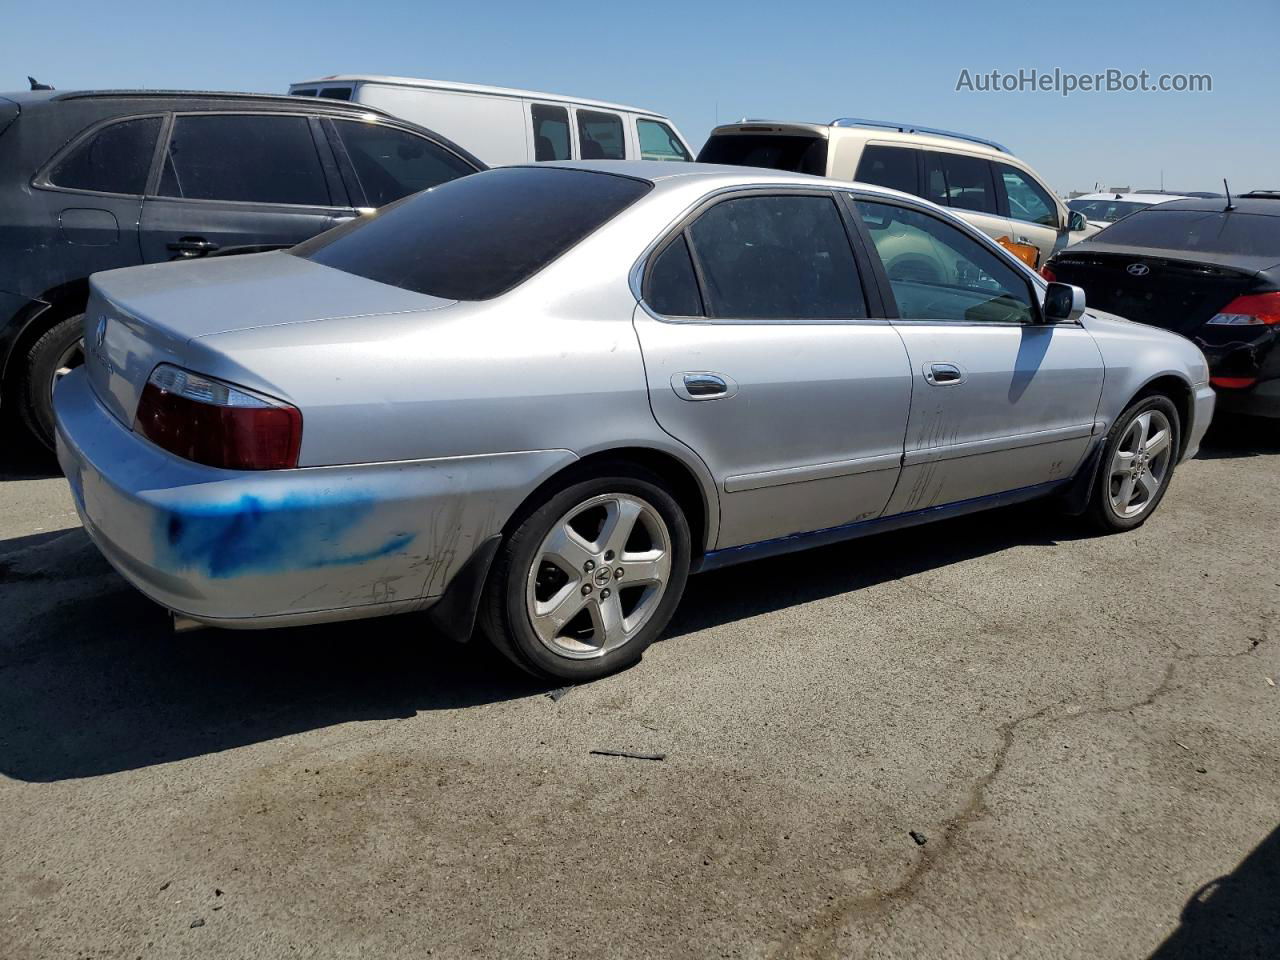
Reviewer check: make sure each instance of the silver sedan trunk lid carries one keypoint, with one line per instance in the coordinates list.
(143, 316)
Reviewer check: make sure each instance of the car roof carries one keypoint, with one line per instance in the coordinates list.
(657, 171)
(1254, 205)
(942, 140)
(1150, 198)
(468, 88)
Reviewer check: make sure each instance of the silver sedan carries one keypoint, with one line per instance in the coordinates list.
(538, 398)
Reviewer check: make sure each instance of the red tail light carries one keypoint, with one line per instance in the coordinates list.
(215, 423)
(1232, 383)
(1047, 272)
(1255, 309)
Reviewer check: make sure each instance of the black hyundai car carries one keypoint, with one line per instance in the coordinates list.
(1208, 269)
(94, 180)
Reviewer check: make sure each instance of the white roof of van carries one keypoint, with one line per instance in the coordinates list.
(468, 88)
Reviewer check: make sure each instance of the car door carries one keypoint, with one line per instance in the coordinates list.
(1000, 401)
(964, 183)
(761, 355)
(230, 180)
(1032, 212)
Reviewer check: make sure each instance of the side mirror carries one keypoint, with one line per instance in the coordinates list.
(1077, 221)
(1063, 303)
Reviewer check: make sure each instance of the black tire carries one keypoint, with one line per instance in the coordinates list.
(35, 388)
(1101, 512)
(504, 617)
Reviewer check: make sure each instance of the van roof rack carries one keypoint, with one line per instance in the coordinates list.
(915, 128)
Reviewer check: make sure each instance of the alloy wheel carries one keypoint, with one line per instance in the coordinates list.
(1140, 464)
(598, 576)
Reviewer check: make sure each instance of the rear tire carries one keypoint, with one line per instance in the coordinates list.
(589, 578)
(1138, 460)
(59, 350)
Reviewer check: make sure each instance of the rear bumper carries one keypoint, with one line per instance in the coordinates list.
(1203, 403)
(252, 549)
(1261, 400)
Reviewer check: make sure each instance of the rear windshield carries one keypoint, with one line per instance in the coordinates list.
(775, 151)
(1198, 231)
(479, 236)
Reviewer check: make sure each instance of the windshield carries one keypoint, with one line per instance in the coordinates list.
(476, 237)
(1197, 231)
(798, 154)
(1108, 211)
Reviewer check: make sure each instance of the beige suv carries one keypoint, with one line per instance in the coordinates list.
(978, 179)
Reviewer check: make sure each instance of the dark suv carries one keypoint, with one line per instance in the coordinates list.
(90, 181)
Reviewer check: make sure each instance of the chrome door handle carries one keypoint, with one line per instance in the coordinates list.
(943, 374)
(703, 385)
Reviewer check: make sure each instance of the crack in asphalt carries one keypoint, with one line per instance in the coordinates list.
(827, 927)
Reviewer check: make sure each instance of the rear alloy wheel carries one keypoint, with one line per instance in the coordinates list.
(59, 350)
(1138, 463)
(589, 579)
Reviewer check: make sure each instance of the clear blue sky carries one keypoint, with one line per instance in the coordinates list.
(697, 61)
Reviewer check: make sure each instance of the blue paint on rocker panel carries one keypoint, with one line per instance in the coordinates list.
(256, 535)
(864, 528)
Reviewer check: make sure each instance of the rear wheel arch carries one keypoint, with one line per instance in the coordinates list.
(679, 477)
(54, 306)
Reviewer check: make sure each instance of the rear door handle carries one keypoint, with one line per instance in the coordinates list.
(943, 374)
(192, 246)
(703, 385)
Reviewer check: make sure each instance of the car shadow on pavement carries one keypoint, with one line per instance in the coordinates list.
(21, 456)
(1235, 916)
(92, 681)
(1233, 436)
(768, 585)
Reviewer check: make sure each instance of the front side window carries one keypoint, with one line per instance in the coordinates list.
(116, 159)
(1027, 199)
(969, 185)
(777, 258)
(254, 159)
(550, 132)
(476, 237)
(600, 136)
(392, 163)
(893, 167)
(938, 272)
(659, 142)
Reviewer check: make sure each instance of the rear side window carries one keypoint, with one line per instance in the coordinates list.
(116, 159)
(600, 136)
(336, 93)
(772, 151)
(256, 159)
(391, 163)
(1197, 231)
(476, 237)
(673, 286)
(659, 142)
(893, 167)
(969, 183)
(550, 132)
(777, 258)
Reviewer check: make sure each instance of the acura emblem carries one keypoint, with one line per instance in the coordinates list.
(1137, 269)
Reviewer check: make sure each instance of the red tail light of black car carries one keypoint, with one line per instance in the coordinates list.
(218, 424)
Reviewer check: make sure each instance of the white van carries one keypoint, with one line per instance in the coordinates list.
(503, 126)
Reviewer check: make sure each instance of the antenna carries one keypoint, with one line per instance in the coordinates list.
(37, 85)
(1230, 205)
